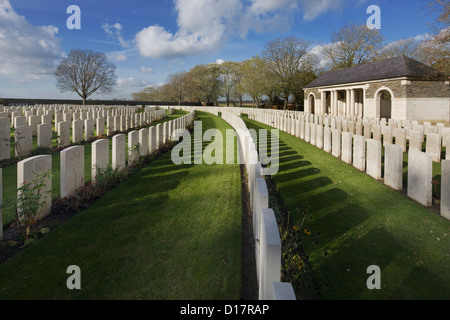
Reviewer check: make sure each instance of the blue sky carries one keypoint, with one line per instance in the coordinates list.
(148, 40)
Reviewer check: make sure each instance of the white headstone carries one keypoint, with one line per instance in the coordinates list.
(63, 134)
(420, 175)
(100, 157)
(374, 158)
(393, 167)
(28, 170)
(433, 146)
(72, 170)
(445, 189)
(359, 153)
(119, 152)
(23, 141)
(5, 139)
(44, 135)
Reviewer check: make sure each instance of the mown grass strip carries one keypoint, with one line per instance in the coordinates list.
(168, 232)
(355, 222)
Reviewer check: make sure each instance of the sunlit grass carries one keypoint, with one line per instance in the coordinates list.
(357, 222)
(168, 232)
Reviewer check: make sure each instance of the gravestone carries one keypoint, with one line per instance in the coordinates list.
(119, 152)
(415, 140)
(23, 141)
(313, 134)
(152, 139)
(420, 174)
(33, 122)
(346, 154)
(400, 138)
(386, 131)
(109, 126)
(359, 153)
(270, 254)
(88, 129)
(433, 146)
(376, 130)
(77, 131)
(143, 141)
(336, 143)
(446, 144)
(445, 189)
(307, 131)
(28, 170)
(20, 121)
(373, 162)
(393, 167)
(133, 151)
(63, 134)
(72, 170)
(319, 136)
(100, 127)
(327, 139)
(100, 157)
(44, 135)
(5, 139)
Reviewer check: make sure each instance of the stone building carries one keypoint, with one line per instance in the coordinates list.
(399, 88)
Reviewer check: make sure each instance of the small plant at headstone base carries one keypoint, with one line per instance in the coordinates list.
(29, 201)
(294, 261)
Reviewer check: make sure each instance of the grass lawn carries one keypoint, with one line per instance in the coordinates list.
(355, 222)
(169, 232)
(10, 172)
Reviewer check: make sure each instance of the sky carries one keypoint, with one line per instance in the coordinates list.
(150, 39)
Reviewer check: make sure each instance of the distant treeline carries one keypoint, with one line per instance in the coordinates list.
(13, 101)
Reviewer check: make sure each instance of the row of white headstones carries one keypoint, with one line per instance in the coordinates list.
(72, 165)
(71, 125)
(360, 143)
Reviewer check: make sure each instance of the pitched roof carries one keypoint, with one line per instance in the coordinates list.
(385, 69)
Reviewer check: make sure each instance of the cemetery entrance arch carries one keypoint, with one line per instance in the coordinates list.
(384, 103)
(312, 104)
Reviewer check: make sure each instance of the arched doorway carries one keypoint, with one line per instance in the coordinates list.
(384, 100)
(312, 104)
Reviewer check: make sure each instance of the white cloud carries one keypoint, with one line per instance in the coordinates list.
(114, 31)
(222, 20)
(220, 61)
(27, 52)
(146, 70)
(131, 82)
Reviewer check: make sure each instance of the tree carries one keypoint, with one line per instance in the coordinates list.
(353, 45)
(207, 83)
(284, 57)
(409, 47)
(253, 80)
(229, 76)
(436, 49)
(179, 86)
(86, 72)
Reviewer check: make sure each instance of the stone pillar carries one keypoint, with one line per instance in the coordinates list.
(72, 170)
